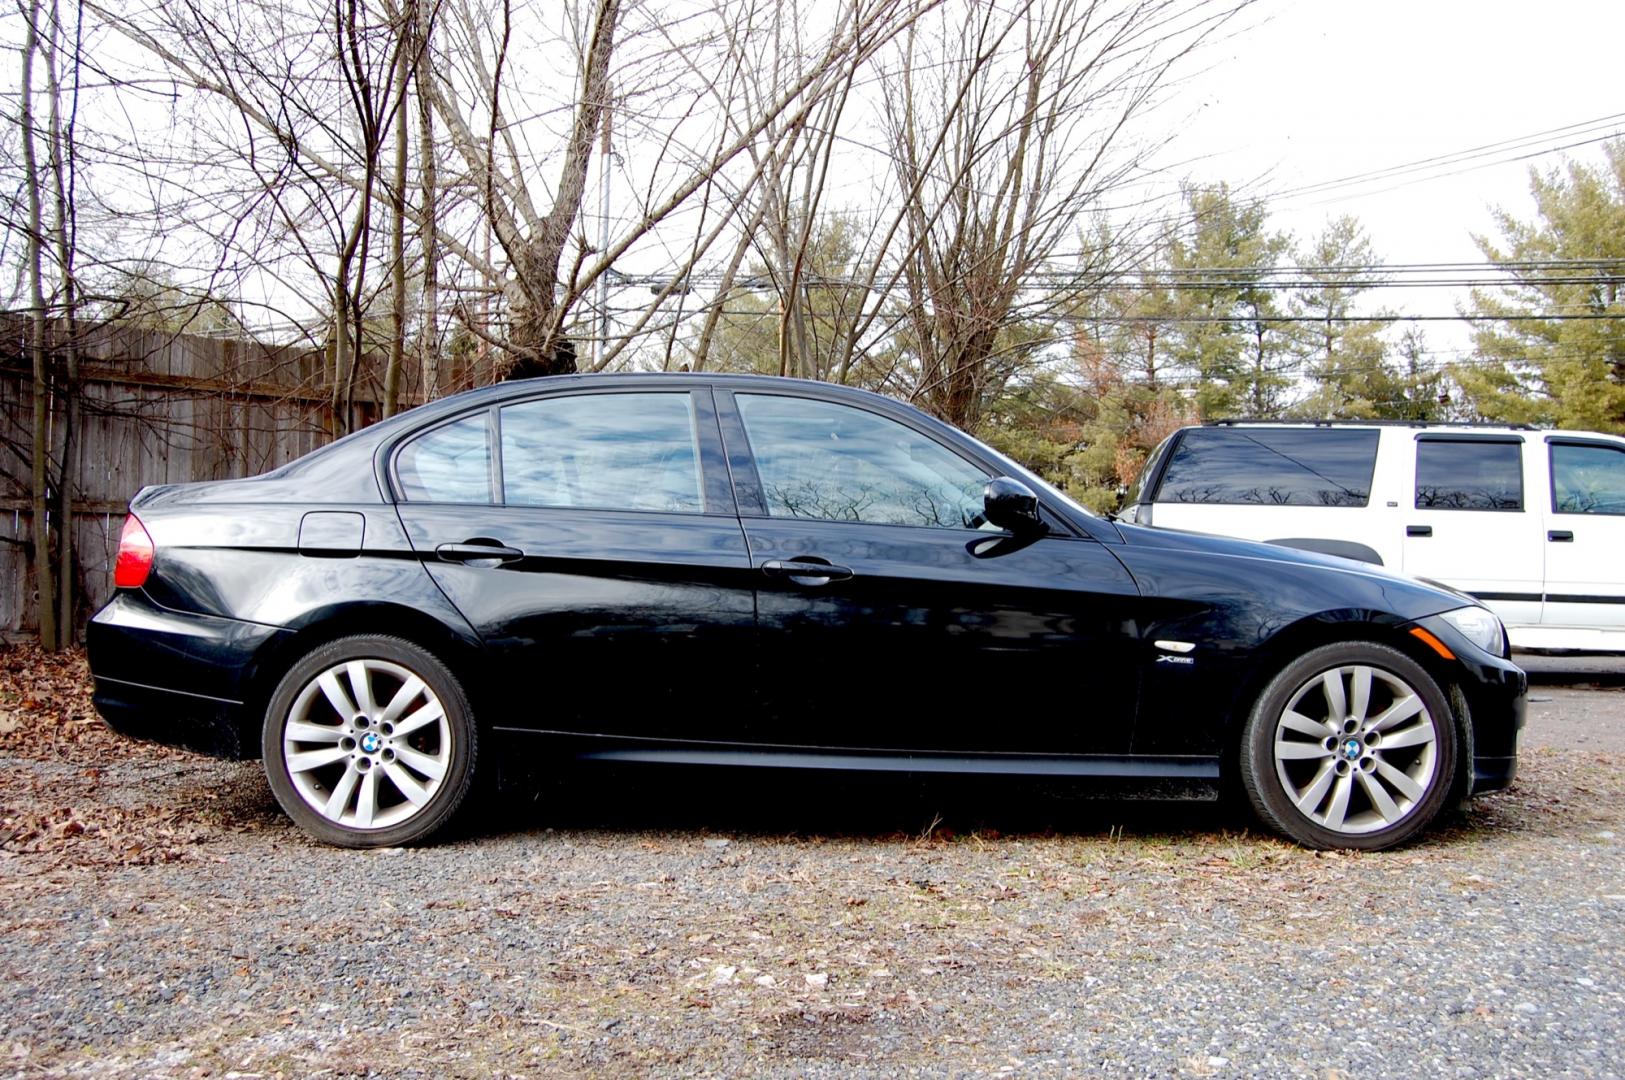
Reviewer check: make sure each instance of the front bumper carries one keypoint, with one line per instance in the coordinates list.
(175, 677)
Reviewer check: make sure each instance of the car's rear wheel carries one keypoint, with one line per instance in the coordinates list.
(370, 742)
(1352, 745)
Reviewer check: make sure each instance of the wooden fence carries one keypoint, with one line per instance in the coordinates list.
(156, 408)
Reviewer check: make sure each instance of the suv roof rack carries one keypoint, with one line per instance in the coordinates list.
(1233, 421)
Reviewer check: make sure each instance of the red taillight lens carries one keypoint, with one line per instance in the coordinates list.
(134, 555)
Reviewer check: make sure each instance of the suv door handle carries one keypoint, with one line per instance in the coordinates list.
(1419, 530)
(806, 573)
(1560, 536)
(479, 550)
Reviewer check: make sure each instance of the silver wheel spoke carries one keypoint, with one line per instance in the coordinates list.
(298, 731)
(1404, 784)
(1338, 809)
(407, 694)
(339, 801)
(1305, 726)
(1333, 682)
(433, 768)
(1402, 709)
(335, 693)
(315, 759)
(1300, 751)
(366, 803)
(1416, 735)
(1310, 798)
(1362, 693)
(361, 685)
(415, 792)
(426, 715)
(1380, 798)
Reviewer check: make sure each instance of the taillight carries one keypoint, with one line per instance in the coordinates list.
(134, 555)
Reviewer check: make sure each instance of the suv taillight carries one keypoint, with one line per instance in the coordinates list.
(134, 555)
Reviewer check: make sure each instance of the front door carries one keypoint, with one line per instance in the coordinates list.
(590, 539)
(891, 617)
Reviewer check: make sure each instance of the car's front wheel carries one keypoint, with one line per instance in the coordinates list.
(369, 741)
(1352, 745)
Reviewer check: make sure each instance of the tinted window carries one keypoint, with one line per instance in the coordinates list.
(1469, 475)
(1588, 479)
(820, 460)
(1272, 467)
(451, 463)
(610, 451)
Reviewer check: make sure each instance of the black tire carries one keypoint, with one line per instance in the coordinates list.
(1276, 753)
(434, 760)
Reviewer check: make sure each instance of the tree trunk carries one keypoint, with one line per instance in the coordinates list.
(40, 434)
(536, 321)
(68, 388)
(429, 331)
(397, 236)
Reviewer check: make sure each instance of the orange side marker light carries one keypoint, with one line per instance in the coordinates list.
(1432, 642)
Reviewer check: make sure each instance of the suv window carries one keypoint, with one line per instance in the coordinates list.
(450, 463)
(1588, 479)
(607, 451)
(1272, 467)
(1469, 474)
(838, 463)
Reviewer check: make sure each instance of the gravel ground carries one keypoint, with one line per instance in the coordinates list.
(160, 917)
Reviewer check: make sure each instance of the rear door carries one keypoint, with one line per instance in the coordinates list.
(1585, 535)
(590, 539)
(1470, 524)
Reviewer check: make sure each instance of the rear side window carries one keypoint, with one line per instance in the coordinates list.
(607, 451)
(1465, 474)
(1272, 467)
(449, 464)
(1588, 479)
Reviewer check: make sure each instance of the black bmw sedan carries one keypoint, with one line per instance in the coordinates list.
(737, 570)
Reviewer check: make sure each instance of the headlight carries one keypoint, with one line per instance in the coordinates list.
(1479, 626)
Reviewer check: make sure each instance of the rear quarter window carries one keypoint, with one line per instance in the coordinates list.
(1271, 467)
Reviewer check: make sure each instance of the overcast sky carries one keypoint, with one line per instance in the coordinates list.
(1318, 90)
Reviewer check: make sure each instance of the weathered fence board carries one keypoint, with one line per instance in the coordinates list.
(156, 408)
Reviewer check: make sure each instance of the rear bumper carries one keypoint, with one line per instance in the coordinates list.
(174, 677)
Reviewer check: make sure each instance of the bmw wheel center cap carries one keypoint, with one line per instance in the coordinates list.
(370, 743)
(1351, 748)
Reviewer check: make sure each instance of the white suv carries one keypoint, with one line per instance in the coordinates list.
(1530, 522)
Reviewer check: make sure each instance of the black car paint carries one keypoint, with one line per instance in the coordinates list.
(653, 636)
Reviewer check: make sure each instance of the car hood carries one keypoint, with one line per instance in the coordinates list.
(1345, 581)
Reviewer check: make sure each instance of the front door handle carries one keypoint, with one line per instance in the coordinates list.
(1419, 530)
(1560, 536)
(806, 573)
(479, 551)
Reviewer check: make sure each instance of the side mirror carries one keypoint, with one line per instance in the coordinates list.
(1012, 506)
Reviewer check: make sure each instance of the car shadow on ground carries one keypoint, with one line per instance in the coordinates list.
(790, 802)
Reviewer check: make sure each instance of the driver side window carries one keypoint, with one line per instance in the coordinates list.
(834, 462)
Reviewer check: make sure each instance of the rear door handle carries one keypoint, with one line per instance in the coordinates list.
(806, 573)
(479, 550)
(1419, 530)
(1560, 536)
